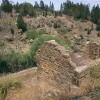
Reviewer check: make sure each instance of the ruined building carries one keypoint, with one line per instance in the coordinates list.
(93, 50)
(57, 68)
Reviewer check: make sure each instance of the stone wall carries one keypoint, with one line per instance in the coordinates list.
(93, 50)
(54, 64)
(56, 68)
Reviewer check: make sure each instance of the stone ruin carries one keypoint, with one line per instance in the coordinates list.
(57, 68)
(92, 50)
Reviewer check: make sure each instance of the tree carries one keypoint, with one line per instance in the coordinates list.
(61, 7)
(6, 6)
(46, 8)
(52, 7)
(42, 4)
(21, 24)
(17, 7)
(27, 9)
(56, 14)
(67, 7)
(98, 27)
(24, 9)
(0, 11)
(87, 12)
(78, 11)
(36, 5)
(95, 14)
(31, 11)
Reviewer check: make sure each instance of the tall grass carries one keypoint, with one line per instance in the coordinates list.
(95, 83)
(8, 82)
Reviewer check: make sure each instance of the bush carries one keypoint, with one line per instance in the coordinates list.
(81, 36)
(56, 25)
(32, 34)
(12, 31)
(89, 31)
(21, 24)
(1, 44)
(38, 42)
(98, 35)
(13, 62)
(0, 28)
(98, 27)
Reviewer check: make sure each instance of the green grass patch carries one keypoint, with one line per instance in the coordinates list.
(32, 33)
(63, 30)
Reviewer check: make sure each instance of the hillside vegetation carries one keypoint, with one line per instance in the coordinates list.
(24, 29)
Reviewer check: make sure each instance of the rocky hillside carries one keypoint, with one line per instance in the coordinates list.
(57, 77)
(77, 31)
(64, 66)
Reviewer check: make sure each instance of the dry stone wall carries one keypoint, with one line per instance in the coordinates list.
(93, 50)
(54, 64)
(56, 68)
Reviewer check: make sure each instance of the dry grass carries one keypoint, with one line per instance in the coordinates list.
(8, 82)
(26, 80)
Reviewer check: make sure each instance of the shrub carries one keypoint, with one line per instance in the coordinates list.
(21, 24)
(38, 42)
(13, 62)
(74, 49)
(98, 27)
(12, 31)
(0, 28)
(98, 34)
(32, 34)
(81, 36)
(1, 44)
(88, 31)
(56, 25)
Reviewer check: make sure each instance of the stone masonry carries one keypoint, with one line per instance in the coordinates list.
(57, 68)
(93, 50)
(54, 63)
